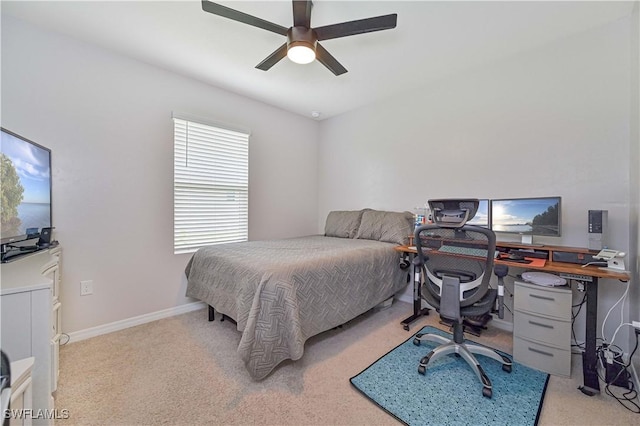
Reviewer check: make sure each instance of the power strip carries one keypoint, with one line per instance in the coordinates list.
(615, 371)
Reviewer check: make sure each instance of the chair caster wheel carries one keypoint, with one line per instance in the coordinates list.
(416, 341)
(506, 367)
(405, 327)
(486, 392)
(422, 369)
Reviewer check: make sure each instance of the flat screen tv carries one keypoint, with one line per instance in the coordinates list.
(527, 216)
(25, 188)
(483, 215)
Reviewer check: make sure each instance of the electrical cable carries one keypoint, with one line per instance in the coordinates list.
(618, 329)
(626, 399)
(622, 298)
(573, 318)
(66, 336)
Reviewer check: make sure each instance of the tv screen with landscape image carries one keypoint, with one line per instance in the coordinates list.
(25, 187)
(527, 216)
(482, 217)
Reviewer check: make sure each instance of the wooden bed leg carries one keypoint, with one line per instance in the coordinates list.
(212, 313)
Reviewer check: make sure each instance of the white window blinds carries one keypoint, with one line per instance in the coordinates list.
(211, 186)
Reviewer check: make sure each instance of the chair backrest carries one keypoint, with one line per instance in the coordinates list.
(452, 250)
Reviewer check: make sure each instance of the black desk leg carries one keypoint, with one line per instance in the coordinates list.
(418, 310)
(589, 356)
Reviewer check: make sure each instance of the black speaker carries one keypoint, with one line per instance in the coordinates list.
(45, 237)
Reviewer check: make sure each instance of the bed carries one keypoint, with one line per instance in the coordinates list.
(282, 292)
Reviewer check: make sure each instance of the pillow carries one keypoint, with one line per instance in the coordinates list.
(392, 227)
(343, 224)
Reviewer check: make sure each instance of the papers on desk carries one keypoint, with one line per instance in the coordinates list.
(544, 278)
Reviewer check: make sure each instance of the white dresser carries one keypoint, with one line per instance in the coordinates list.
(542, 327)
(21, 390)
(30, 319)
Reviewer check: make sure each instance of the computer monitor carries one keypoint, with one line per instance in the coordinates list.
(483, 215)
(527, 217)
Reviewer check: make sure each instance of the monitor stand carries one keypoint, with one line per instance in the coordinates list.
(527, 240)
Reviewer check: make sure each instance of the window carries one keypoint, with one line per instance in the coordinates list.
(211, 185)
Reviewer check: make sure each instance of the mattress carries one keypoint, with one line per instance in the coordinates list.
(282, 292)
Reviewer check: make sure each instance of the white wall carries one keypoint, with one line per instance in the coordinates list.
(108, 122)
(551, 121)
(634, 167)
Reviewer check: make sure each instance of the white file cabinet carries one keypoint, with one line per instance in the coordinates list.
(30, 312)
(52, 270)
(542, 327)
(21, 391)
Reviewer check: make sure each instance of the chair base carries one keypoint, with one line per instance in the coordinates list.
(466, 351)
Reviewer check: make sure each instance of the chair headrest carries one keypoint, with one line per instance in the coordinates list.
(453, 213)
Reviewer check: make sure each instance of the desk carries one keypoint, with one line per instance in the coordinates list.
(588, 275)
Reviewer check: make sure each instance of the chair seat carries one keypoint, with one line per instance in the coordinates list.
(481, 307)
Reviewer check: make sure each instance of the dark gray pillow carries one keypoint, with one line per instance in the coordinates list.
(392, 227)
(342, 224)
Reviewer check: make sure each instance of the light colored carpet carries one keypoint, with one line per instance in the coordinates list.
(184, 370)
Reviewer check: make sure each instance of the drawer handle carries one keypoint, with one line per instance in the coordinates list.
(539, 324)
(542, 297)
(540, 352)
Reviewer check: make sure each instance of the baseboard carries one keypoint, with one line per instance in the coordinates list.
(406, 298)
(87, 333)
(502, 324)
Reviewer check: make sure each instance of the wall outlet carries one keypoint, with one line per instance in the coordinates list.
(86, 287)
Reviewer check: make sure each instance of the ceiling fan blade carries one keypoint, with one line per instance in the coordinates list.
(360, 26)
(218, 9)
(273, 59)
(329, 61)
(302, 13)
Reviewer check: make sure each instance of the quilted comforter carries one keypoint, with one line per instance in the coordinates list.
(282, 292)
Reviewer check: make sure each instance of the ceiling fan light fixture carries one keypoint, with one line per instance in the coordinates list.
(301, 45)
(301, 52)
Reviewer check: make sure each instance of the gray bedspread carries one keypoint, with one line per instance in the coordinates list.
(281, 292)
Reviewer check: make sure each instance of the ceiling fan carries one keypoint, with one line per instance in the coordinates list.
(302, 41)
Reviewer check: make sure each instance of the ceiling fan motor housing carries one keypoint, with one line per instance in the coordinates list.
(301, 36)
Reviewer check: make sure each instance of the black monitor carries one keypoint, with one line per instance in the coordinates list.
(483, 215)
(527, 217)
(25, 188)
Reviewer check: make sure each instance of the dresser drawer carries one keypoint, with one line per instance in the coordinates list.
(542, 357)
(56, 320)
(553, 332)
(548, 301)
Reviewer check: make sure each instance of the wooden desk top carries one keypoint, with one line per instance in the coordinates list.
(550, 266)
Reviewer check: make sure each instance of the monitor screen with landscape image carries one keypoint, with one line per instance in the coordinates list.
(482, 217)
(25, 187)
(527, 216)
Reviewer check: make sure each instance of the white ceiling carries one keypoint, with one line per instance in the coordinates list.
(433, 39)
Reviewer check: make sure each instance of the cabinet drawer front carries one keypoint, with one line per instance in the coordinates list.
(56, 320)
(542, 357)
(56, 285)
(55, 363)
(550, 331)
(553, 302)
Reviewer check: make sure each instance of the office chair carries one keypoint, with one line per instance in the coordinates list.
(456, 261)
(5, 386)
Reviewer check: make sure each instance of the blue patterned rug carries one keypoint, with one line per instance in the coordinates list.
(450, 392)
